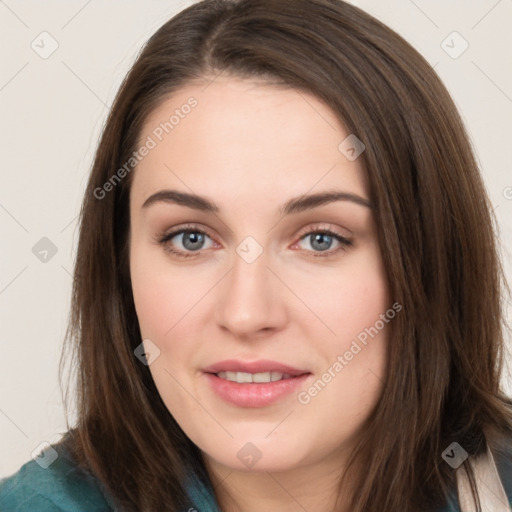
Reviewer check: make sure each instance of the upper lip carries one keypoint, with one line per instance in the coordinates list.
(260, 366)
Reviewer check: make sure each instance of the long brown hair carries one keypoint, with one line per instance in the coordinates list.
(436, 232)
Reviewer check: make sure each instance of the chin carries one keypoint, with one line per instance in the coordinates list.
(257, 456)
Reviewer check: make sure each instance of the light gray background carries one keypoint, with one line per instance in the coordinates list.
(53, 110)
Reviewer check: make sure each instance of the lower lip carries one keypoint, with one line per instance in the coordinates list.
(259, 394)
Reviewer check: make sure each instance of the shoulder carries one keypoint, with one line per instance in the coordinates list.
(503, 458)
(502, 454)
(61, 486)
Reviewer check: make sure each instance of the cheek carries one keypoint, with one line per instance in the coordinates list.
(170, 303)
(156, 304)
(345, 300)
(163, 299)
(162, 293)
(351, 339)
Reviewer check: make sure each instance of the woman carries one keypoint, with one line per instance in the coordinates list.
(287, 288)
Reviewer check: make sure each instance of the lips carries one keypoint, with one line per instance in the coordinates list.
(252, 387)
(260, 366)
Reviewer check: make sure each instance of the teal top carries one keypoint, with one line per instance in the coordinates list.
(64, 487)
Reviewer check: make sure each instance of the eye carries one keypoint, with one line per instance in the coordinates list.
(192, 239)
(321, 240)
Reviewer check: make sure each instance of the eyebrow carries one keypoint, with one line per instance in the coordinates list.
(294, 205)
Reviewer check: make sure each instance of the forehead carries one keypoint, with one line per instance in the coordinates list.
(244, 136)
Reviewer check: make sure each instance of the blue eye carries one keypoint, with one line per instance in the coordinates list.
(322, 240)
(193, 239)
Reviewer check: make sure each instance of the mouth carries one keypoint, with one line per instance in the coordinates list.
(260, 369)
(261, 377)
(255, 384)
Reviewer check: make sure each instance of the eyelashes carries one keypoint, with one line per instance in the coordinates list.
(200, 235)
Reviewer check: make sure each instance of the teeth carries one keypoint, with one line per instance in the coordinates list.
(262, 377)
(242, 377)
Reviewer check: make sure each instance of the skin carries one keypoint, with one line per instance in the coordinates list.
(249, 147)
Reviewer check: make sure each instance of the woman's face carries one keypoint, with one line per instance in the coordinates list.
(256, 288)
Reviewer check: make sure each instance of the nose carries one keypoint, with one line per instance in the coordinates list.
(251, 299)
